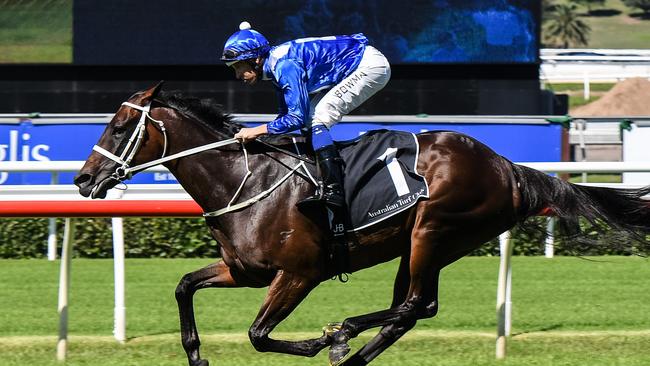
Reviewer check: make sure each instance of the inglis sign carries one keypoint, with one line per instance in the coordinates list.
(58, 142)
(18, 149)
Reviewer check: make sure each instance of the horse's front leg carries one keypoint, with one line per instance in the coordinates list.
(285, 293)
(214, 275)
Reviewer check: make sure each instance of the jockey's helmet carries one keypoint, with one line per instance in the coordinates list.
(244, 44)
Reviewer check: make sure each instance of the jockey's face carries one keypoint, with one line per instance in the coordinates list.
(244, 71)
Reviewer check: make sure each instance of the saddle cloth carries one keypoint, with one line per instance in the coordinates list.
(381, 178)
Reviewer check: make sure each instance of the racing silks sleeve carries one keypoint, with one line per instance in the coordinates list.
(291, 80)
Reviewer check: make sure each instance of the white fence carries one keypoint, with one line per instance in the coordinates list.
(593, 65)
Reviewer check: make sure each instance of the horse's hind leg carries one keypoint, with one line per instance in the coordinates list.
(214, 275)
(391, 333)
(420, 302)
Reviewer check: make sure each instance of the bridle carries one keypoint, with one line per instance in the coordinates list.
(133, 145)
(125, 171)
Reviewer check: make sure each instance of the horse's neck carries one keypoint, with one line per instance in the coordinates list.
(202, 174)
(211, 178)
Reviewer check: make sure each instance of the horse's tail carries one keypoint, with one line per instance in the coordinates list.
(620, 209)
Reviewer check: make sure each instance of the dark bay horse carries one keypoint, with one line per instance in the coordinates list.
(475, 195)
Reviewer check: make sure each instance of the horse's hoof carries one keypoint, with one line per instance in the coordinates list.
(338, 353)
(201, 363)
(331, 328)
(354, 360)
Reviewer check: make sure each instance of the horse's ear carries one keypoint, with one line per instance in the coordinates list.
(152, 92)
(157, 88)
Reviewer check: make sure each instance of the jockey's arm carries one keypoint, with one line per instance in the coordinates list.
(291, 79)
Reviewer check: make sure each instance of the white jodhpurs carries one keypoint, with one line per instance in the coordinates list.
(372, 74)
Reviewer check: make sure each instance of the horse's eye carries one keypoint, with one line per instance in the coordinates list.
(118, 131)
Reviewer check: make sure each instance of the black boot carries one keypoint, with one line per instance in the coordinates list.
(330, 185)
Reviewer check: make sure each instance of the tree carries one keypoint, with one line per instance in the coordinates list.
(564, 27)
(643, 5)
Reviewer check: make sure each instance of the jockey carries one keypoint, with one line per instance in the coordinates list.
(338, 73)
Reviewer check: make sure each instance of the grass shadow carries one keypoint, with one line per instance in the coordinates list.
(641, 16)
(149, 334)
(542, 329)
(604, 13)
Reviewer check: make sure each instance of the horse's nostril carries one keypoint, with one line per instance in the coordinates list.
(81, 179)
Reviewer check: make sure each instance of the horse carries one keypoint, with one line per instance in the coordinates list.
(474, 195)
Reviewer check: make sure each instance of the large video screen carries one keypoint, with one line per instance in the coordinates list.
(179, 32)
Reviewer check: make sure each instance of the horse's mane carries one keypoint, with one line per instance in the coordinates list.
(204, 110)
(211, 114)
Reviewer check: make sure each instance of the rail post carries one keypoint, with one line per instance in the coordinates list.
(51, 235)
(504, 302)
(119, 327)
(64, 285)
(549, 242)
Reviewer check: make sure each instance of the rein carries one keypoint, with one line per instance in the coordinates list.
(283, 151)
(124, 171)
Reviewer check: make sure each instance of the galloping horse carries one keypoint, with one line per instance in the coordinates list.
(474, 195)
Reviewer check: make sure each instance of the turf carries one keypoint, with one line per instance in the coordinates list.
(614, 25)
(566, 311)
(36, 31)
(414, 349)
(597, 178)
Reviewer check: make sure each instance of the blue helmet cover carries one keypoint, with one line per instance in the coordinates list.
(245, 44)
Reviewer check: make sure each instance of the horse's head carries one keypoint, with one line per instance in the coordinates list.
(129, 139)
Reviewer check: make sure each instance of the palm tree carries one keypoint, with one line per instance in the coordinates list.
(547, 7)
(564, 27)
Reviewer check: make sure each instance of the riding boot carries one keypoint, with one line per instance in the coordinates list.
(330, 186)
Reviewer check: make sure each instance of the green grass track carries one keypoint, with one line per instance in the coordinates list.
(567, 311)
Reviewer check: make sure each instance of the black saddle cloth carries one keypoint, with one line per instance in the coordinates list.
(381, 177)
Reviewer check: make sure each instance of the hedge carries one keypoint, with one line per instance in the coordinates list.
(143, 238)
(185, 238)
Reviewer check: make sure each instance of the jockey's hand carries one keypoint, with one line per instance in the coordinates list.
(249, 134)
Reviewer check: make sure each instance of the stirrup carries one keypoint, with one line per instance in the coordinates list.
(323, 197)
(316, 201)
(334, 198)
